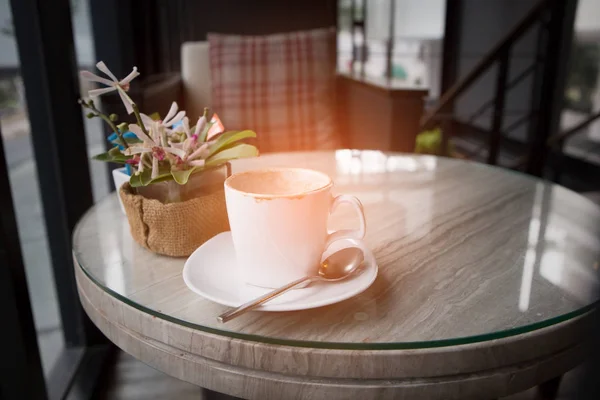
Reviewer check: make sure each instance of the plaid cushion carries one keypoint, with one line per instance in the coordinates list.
(281, 86)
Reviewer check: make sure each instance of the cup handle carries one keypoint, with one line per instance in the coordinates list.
(347, 233)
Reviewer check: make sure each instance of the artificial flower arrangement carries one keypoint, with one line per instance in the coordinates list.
(163, 149)
(166, 153)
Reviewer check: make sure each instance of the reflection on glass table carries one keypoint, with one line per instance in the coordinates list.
(467, 253)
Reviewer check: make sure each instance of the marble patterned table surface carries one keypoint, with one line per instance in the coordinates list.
(466, 253)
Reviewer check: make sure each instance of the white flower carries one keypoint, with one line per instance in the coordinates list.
(191, 154)
(185, 128)
(121, 86)
(168, 121)
(153, 147)
(190, 140)
(201, 152)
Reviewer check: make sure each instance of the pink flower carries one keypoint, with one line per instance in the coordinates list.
(159, 152)
(133, 161)
(216, 128)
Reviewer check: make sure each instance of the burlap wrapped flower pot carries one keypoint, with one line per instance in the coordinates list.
(174, 229)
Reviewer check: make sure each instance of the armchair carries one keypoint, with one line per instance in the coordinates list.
(192, 89)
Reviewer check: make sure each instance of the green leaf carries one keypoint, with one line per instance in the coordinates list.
(134, 181)
(145, 177)
(182, 176)
(429, 142)
(115, 151)
(204, 133)
(162, 178)
(102, 157)
(113, 155)
(137, 180)
(116, 154)
(128, 140)
(227, 138)
(241, 150)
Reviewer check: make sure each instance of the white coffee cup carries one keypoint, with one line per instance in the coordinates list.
(278, 219)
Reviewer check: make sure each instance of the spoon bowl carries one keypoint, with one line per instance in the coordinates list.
(341, 264)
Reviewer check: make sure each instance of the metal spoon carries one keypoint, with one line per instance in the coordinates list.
(336, 267)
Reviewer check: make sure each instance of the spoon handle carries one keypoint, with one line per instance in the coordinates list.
(252, 304)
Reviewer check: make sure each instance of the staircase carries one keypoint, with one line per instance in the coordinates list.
(528, 140)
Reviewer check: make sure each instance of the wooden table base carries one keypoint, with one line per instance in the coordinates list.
(154, 348)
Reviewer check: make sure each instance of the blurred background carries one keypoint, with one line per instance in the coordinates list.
(503, 82)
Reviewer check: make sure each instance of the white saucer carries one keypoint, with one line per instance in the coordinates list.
(211, 272)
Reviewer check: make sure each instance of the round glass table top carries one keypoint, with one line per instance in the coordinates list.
(466, 253)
